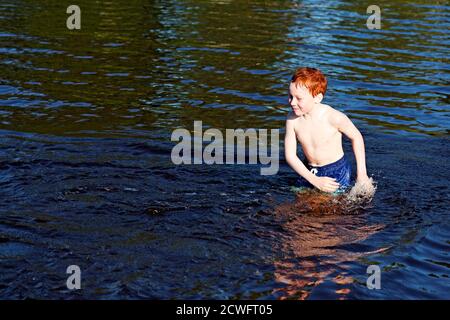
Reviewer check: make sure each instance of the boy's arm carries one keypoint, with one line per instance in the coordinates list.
(290, 152)
(346, 126)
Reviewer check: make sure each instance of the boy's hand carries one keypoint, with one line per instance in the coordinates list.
(363, 178)
(364, 187)
(326, 184)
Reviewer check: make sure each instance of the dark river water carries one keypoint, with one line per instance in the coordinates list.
(86, 177)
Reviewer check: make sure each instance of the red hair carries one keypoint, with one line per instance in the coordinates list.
(312, 79)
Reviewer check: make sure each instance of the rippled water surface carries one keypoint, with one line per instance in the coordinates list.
(86, 178)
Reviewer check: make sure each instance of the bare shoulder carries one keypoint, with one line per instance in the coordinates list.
(291, 119)
(292, 122)
(291, 116)
(335, 117)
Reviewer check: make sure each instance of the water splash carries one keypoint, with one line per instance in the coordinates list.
(362, 191)
(358, 198)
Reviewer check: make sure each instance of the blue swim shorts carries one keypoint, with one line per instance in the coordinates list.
(340, 170)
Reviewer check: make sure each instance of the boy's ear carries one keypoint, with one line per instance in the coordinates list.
(318, 98)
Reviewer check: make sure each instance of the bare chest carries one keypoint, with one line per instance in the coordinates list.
(316, 134)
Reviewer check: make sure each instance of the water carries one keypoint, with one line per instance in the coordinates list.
(85, 171)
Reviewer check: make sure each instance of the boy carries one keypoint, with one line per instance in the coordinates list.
(319, 128)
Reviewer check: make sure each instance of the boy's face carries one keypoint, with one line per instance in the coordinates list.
(300, 99)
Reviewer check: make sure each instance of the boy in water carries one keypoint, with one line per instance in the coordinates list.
(319, 128)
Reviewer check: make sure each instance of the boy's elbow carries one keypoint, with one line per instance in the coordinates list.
(354, 135)
(357, 137)
(288, 156)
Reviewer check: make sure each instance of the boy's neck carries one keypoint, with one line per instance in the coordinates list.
(312, 112)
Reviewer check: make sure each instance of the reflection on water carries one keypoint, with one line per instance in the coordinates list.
(85, 171)
(319, 230)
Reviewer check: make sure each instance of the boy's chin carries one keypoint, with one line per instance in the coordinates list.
(298, 112)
